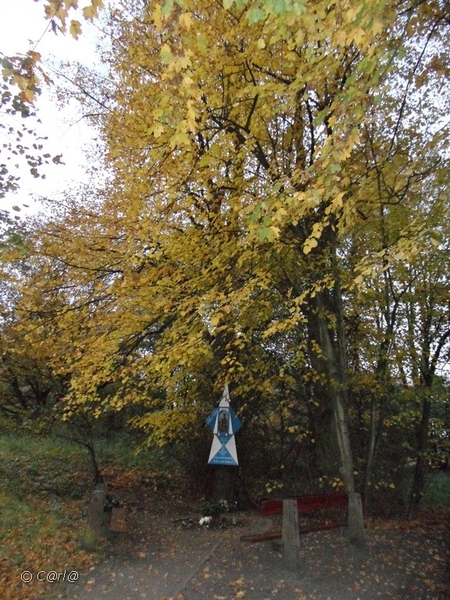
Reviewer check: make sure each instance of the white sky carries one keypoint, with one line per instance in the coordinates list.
(22, 27)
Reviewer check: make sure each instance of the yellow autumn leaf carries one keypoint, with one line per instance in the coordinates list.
(75, 29)
(310, 244)
(237, 582)
(28, 96)
(90, 12)
(186, 20)
(20, 81)
(157, 16)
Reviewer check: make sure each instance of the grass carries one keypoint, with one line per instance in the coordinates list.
(437, 491)
(45, 487)
(42, 495)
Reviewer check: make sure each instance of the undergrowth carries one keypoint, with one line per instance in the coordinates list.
(45, 487)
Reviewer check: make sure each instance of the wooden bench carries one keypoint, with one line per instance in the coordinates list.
(305, 504)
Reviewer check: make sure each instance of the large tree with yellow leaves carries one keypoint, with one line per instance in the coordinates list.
(255, 153)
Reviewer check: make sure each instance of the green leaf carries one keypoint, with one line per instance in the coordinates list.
(180, 138)
(255, 14)
(202, 42)
(278, 7)
(264, 233)
(167, 7)
(255, 215)
(166, 53)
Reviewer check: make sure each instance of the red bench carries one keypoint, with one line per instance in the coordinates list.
(305, 504)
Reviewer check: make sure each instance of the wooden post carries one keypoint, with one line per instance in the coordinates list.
(97, 521)
(291, 537)
(356, 532)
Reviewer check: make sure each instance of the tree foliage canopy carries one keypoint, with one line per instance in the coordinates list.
(275, 216)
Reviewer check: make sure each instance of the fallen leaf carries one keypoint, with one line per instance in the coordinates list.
(239, 581)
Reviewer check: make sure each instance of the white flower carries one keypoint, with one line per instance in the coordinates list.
(205, 521)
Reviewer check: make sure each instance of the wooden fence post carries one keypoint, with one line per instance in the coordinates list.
(291, 537)
(97, 518)
(356, 531)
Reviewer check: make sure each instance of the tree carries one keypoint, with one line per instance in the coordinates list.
(19, 89)
(429, 324)
(23, 77)
(246, 153)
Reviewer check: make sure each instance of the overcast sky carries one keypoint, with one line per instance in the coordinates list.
(23, 27)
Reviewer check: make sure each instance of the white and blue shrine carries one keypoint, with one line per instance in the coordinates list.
(224, 423)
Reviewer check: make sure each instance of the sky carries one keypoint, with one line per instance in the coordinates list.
(23, 27)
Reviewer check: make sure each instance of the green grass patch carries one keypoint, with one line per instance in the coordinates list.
(45, 487)
(122, 450)
(437, 491)
(41, 467)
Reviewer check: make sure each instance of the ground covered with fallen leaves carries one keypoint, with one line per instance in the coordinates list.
(165, 554)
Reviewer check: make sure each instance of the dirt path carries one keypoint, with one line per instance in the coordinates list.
(161, 557)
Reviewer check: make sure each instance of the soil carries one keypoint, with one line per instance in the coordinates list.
(165, 554)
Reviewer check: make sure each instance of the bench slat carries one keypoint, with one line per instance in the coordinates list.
(306, 503)
(276, 535)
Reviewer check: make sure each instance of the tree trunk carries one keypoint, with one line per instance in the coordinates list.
(376, 426)
(224, 483)
(333, 344)
(328, 358)
(335, 363)
(327, 351)
(98, 477)
(420, 470)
